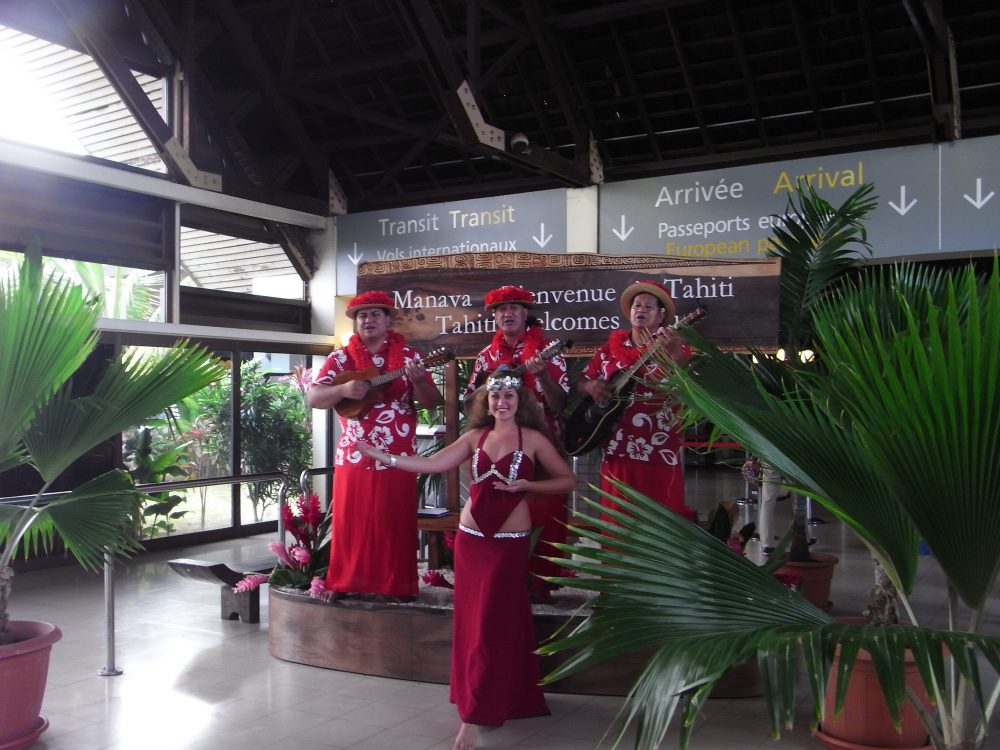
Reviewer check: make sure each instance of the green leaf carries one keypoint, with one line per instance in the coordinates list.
(46, 333)
(91, 519)
(665, 585)
(128, 391)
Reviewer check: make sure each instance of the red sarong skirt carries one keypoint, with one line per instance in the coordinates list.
(373, 548)
(494, 670)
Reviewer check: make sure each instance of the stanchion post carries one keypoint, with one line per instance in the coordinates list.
(109, 669)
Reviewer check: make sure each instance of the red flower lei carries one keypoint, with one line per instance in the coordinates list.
(362, 358)
(618, 344)
(532, 343)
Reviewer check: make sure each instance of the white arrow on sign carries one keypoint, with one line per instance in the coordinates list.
(355, 257)
(624, 233)
(903, 208)
(979, 201)
(541, 240)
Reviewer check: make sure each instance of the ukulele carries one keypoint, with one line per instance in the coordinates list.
(552, 349)
(591, 423)
(353, 408)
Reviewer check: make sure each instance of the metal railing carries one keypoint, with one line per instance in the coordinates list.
(110, 669)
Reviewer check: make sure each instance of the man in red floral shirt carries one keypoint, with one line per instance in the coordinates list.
(644, 449)
(374, 517)
(518, 340)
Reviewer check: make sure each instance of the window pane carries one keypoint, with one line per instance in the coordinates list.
(127, 293)
(188, 441)
(276, 428)
(234, 264)
(63, 101)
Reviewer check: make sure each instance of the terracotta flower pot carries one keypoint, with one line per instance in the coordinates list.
(864, 722)
(815, 575)
(24, 669)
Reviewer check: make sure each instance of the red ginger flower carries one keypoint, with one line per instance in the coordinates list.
(436, 578)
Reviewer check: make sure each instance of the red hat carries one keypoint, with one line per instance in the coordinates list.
(374, 298)
(503, 295)
(647, 286)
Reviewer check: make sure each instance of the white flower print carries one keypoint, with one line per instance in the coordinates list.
(353, 431)
(669, 457)
(401, 406)
(642, 420)
(381, 438)
(638, 449)
(665, 419)
(612, 445)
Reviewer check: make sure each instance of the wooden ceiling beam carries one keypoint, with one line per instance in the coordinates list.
(929, 21)
(242, 38)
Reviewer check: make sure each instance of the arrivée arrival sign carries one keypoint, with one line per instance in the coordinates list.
(440, 299)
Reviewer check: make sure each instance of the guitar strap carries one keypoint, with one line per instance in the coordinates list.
(530, 344)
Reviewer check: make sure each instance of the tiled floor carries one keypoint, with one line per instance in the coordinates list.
(194, 682)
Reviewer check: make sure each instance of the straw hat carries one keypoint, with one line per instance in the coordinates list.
(646, 286)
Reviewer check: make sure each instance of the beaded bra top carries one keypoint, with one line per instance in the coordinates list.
(491, 507)
(514, 458)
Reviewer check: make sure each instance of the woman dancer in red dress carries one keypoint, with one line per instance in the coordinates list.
(494, 670)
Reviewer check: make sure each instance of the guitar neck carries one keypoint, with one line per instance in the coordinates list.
(386, 377)
(646, 356)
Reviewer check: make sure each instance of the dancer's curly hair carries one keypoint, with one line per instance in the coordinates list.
(529, 411)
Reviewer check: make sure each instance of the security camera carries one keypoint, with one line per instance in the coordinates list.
(519, 144)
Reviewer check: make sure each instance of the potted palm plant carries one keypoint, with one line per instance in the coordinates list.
(818, 245)
(894, 428)
(47, 331)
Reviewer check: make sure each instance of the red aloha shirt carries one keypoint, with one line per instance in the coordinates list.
(490, 358)
(647, 429)
(390, 425)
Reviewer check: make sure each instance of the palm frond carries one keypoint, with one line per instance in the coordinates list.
(803, 432)
(129, 391)
(46, 333)
(89, 520)
(924, 404)
(662, 583)
(816, 243)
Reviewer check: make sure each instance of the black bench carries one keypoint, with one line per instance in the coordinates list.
(246, 605)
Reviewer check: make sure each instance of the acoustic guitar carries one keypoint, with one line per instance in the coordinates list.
(591, 423)
(352, 408)
(552, 349)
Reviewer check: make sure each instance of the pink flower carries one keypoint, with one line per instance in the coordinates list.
(300, 555)
(735, 543)
(317, 588)
(436, 578)
(791, 580)
(250, 582)
(279, 550)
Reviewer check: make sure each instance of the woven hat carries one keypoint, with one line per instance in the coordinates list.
(374, 298)
(505, 294)
(645, 286)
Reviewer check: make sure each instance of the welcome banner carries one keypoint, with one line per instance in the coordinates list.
(440, 299)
